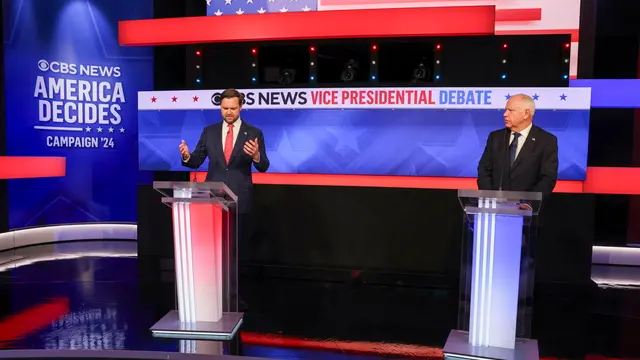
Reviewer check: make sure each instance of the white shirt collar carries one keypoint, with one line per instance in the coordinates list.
(236, 125)
(525, 132)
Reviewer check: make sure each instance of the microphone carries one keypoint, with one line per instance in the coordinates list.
(505, 159)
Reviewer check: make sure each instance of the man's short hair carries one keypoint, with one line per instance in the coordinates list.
(232, 93)
(528, 102)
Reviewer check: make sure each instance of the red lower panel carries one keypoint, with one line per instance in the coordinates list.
(17, 326)
(600, 180)
(441, 21)
(22, 167)
(519, 15)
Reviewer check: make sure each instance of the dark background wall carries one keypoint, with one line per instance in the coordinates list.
(392, 236)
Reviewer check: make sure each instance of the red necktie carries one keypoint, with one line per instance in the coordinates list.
(228, 144)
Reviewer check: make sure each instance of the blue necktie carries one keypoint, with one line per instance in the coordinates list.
(513, 147)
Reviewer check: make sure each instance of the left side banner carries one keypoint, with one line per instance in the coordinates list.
(71, 91)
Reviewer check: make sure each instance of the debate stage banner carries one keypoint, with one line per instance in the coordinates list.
(71, 92)
(366, 131)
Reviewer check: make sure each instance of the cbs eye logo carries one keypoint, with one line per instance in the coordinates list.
(216, 98)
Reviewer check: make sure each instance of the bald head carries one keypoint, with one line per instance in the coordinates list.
(519, 111)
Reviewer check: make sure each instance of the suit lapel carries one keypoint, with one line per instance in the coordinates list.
(219, 149)
(242, 138)
(527, 148)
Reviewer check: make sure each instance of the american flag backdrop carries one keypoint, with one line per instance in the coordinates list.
(513, 17)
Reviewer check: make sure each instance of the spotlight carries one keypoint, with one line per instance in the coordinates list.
(374, 47)
(312, 49)
(254, 51)
(438, 47)
(504, 46)
(198, 52)
(350, 69)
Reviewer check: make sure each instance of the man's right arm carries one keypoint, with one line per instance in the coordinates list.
(485, 168)
(196, 158)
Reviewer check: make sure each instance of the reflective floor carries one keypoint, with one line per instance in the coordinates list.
(51, 298)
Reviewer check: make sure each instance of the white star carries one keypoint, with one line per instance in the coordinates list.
(122, 130)
(284, 9)
(208, 2)
(100, 129)
(88, 129)
(306, 8)
(249, 1)
(239, 12)
(218, 13)
(272, 1)
(227, 2)
(261, 11)
(110, 129)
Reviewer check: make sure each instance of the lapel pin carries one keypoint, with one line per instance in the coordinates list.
(533, 139)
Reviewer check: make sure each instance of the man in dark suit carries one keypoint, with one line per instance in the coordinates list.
(232, 146)
(522, 156)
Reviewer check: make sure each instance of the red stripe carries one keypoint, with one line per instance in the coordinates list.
(443, 21)
(380, 2)
(574, 33)
(518, 14)
(22, 167)
(17, 326)
(600, 180)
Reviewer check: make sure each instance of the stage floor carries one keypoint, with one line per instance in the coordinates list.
(101, 302)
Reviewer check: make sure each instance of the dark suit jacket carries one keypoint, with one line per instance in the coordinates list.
(535, 168)
(237, 175)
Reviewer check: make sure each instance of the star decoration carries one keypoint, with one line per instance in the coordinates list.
(507, 96)
(535, 96)
(563, 97)
(122, 130)
(249, 1)
(110, 129)
(272, 1)
(87, 129)
(100, 129)
(284, 9)
(239, 12)
(208, 2)
(306, 8)
(227, 2)
(153, 99)
(261, 10)
(195, 99)
(218, 13)
(174, 99)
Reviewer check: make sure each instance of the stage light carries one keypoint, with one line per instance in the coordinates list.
(437, 77)
(566, 76)
(504, 76)
(438, 47)
(312, 49)
(566, 60)
(198, 52)
(253, 79)
(373, 62)
(254, 51)
(567, 45)
(313, 64)
(504, 46)
(253, 64)
(374, 47)
(504, 61)
(373, 77)
(437, 62)
(197, 66)
(197, 80)
(312, 77)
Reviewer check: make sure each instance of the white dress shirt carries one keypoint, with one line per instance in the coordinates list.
(236, 131)
(523, 136)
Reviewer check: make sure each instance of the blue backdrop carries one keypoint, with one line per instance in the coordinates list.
(71, 92)
(419, 142)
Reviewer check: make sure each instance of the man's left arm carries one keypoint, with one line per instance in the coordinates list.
(262, 163)
(548, 168)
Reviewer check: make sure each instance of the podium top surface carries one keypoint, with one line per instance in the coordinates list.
(507, 202)
(190, 189)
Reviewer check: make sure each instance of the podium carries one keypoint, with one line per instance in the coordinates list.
(205, 239)
(496, 276)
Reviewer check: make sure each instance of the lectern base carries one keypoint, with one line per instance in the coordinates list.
(458, 347)
(171, 327)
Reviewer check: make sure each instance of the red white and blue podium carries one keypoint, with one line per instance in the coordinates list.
(205, 238)
(496, 278)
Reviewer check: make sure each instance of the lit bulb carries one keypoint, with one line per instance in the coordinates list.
(373, 62)
(312, 63)
(504, 61)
